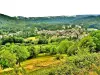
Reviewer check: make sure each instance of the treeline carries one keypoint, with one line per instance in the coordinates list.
(14, 24)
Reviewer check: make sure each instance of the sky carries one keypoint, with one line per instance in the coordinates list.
(40, 8)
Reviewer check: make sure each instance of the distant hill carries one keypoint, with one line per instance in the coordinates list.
(20, 23)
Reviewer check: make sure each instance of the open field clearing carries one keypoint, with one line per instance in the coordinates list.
(36, 64)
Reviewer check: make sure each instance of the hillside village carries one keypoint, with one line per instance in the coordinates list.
(76, 32)
(70, 32)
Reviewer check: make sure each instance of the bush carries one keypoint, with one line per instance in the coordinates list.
(87, 42)
(64, 45)
(12, 40)
(53, 50)
(78, 65)
(43, 41)
(72, 50)
(59, 56)
(47, 48)
(32, 51)
(85, 60)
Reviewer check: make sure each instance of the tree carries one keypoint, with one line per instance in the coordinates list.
(87, 42)
(20, 51)
(7, 59)
(64, 45)
(43, 41)
(12, 40)
(32, 51)
(96, 39)
(53, 50)
(72, 50)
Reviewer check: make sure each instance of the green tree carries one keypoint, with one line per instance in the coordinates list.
(64, 45)
(20, 51)
(53, 50)
(87, 42)
(12, 40)
(96, 39)
(32, 51)
(43, 41)
(7, 59)
(72, 50)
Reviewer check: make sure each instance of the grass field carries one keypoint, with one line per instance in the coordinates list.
(31, 38)
(35, 64)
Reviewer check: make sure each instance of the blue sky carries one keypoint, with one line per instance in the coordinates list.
(36, 8)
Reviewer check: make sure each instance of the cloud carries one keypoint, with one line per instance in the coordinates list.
(35, 8)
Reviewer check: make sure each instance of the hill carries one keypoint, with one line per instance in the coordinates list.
(19, 23)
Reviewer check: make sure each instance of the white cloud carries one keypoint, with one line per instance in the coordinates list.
(32, 8)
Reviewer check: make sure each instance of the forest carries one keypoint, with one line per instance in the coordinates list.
(53, 45)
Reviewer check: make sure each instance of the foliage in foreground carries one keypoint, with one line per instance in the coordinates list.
(75, 65)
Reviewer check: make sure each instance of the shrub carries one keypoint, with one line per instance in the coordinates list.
(59, 56)
(78, 65)
(43, 41)
(32, 51)
(72, 50)
(64, 45)
(53, 50)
